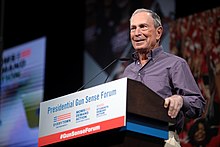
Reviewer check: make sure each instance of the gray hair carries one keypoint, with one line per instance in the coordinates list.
(156, 18)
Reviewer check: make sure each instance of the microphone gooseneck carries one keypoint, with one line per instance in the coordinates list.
(117, 59)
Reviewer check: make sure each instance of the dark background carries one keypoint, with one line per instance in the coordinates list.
(62, 22)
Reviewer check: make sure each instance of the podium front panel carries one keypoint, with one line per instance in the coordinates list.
(85, 112)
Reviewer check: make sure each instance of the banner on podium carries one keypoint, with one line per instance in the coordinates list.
(85, 112)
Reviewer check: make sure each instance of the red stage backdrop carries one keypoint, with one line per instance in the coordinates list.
(197, 39)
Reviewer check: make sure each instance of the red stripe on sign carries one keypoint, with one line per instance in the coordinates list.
(82, 131)
(25, 53)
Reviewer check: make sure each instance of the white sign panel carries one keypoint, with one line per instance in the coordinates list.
(89, 111)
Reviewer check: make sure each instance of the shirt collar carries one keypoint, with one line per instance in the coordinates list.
(152, 55)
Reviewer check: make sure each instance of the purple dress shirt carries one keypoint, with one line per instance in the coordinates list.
(167, 74)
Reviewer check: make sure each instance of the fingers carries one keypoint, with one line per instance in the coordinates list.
(173, 110)
(174, 104)
(166, 103)
(170, 104)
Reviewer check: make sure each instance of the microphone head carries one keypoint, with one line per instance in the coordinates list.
(125, 59)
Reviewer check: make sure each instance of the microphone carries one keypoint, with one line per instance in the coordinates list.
(117, 59)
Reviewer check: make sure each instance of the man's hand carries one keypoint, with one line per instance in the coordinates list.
(174, 104)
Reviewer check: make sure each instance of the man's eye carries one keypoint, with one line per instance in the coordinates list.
(144, 27)
(132, 29)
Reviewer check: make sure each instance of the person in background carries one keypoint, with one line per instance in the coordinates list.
(166, 74)
(201, 134)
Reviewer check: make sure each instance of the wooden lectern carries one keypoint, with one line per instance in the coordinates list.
(145, 119)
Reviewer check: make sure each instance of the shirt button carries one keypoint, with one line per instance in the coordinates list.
(139, 74)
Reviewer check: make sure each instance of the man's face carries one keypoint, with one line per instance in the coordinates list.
(143, 34)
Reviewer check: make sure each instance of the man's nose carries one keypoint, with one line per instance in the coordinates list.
(137, 31)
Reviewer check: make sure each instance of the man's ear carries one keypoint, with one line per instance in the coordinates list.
(159, 32)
